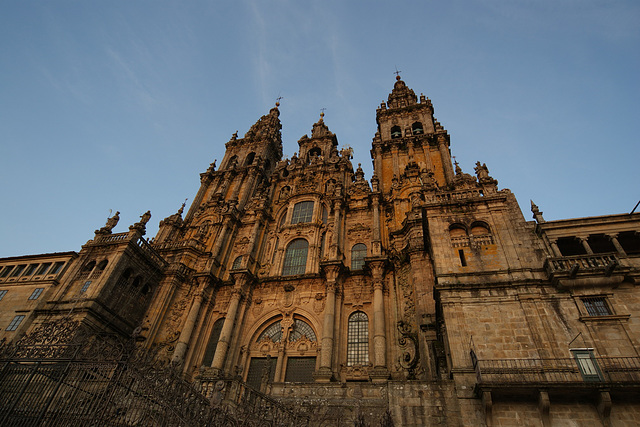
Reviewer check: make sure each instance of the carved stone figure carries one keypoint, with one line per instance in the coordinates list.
(111, 223)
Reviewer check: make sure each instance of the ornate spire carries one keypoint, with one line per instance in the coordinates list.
(401, 95)
(268, 127)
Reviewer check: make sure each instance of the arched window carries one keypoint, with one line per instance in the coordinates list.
(213, 342)
(299, 357)
(457, 230)
(250, 158)
(301, 329)
(417, 129)
(233, 162)
(237, 263)
(273, 333)
(479, 229)
(295, 258)
(358, 252)
(396, 132)
(358, 339)
(302, 212)
(314, 153)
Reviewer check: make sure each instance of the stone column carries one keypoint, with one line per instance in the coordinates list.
(187, 328)
(325, 373)
(394, 156)
(236, 189)
(446, 159)
(335, 245)
(380, 371)
(427, 157)
(226, 333)
(222, 237)
(616, 244)
(376, 244)
(554, 248)
(377, 167)
(247, 188)
(254, 233)
(585, 245)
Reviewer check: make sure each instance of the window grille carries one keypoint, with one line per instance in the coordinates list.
(302, 212)
(36, 293)
(15, 322)
(300, 369)
(273, 332)
(258, 367)
(237, 263)
(295, 258)
(596, 306)
(358, 252)
(358, 339)
(300, 329)
(85, 287)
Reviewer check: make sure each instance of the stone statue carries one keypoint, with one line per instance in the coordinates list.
(145, 217)
(482, 172)
(141, 225)
(111, 223)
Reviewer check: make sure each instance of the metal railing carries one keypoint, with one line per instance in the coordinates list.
(607, 370)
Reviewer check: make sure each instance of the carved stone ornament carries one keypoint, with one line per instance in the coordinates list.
(111, 223)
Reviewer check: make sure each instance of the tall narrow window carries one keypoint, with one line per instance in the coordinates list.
(36, 293)
(302, 212)
(463, 260)
(358, 339)
(213, 342)
(3, 293)
(15, 322)
(358, 252)
(295, 258)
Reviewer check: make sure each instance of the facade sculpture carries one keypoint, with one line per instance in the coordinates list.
(424, 292)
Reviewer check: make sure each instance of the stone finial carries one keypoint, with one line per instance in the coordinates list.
(537, 215)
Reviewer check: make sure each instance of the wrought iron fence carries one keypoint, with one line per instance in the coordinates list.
(62, 375)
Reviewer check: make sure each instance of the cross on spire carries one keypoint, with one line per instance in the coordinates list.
(278, 101)
(397, 73)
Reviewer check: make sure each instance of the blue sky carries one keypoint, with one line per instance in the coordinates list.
(120, 105)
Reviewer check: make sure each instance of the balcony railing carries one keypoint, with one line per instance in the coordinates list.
(608, 371)
(572, 265)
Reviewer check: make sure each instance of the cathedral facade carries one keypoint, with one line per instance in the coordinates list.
(423, 291)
